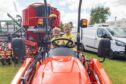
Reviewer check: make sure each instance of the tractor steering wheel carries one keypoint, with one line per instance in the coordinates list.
(68, 43)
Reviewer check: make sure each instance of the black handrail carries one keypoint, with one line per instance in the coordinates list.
(78, 29)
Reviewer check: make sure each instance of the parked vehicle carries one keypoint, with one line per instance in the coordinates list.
(92, 36)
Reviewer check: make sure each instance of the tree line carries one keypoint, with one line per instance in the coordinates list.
(97, 15)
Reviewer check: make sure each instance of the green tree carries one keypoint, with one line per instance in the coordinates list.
(99, 15)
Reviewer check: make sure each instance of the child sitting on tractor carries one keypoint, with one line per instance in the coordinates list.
(56, 34)
(68, 35)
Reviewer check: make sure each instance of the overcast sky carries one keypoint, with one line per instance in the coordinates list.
(68, 8)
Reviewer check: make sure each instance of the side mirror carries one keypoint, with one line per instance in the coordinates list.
(104, 48)
(83, 23)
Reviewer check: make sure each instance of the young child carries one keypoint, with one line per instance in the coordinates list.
(56, 34)
(67, 33)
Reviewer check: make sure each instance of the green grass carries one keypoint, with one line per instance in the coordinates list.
(7, 73)
(115, 69)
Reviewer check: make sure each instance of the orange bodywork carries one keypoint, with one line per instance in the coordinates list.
(98, 69)
(61, 70)
(21, 71)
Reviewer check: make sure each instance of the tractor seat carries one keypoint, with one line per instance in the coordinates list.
(62, 52)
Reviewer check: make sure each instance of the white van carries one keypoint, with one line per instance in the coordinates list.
(91, 37)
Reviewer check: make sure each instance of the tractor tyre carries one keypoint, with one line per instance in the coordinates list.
(104, 47)
(81, 47)
(19, 50)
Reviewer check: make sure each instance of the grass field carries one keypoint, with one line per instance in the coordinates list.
(116, 70)
(7, 73)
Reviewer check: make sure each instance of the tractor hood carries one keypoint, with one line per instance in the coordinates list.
(61, 70)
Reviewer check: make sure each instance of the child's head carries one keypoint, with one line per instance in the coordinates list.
(67, 29)
(56, 31)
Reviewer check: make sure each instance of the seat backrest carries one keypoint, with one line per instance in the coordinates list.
(61, 52)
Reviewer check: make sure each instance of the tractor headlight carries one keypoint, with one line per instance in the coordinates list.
(119, 43)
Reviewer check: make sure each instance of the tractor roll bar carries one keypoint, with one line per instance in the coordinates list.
(78, 29)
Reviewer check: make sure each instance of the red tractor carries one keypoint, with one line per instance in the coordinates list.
(59, 65)
(34, 20)
(34, 24)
